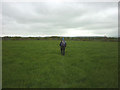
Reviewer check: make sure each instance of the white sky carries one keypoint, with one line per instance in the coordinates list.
(60, 18)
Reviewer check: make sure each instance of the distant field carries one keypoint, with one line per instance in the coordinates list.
(39, 64)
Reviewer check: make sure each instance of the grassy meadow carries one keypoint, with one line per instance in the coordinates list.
(39, 64)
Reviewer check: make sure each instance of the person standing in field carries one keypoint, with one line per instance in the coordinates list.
(62, 46)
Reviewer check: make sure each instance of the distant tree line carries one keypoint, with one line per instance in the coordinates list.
(59, 38)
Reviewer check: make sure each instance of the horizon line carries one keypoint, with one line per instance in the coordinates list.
(56, 36)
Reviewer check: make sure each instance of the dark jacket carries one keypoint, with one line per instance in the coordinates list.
(61, 43)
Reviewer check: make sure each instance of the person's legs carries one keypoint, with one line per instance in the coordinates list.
(61, 50)
(64, 51)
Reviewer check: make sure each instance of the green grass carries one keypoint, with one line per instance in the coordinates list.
(39, 64)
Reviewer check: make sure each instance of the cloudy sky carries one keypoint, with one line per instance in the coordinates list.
(60, 19)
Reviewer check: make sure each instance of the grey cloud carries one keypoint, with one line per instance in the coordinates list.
(57, 18)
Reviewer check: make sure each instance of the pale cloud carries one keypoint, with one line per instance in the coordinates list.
(67, 19)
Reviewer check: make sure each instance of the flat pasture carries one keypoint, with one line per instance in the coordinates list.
(39, 64)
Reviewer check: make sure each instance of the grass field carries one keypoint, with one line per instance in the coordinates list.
(39, 64)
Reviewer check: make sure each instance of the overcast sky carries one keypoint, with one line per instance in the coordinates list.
(60, 19)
